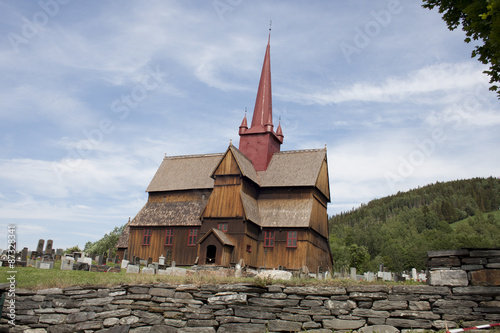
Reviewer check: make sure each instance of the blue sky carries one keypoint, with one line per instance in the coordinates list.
(93, 94)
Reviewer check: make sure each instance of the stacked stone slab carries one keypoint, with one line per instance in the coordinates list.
(250, 308)
(475, 267)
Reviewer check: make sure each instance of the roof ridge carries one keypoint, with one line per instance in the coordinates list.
(301, 151)
(192, 156)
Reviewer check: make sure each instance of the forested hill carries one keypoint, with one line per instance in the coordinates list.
(398, 230)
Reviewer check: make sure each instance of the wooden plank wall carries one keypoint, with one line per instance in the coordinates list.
(182, 254)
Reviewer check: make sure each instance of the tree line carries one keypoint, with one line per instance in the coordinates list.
(398, 230)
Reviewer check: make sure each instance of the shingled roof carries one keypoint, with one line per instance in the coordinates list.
(122, 242)
(293, 168)
(185, 173)
(286, 169)
(184, 213)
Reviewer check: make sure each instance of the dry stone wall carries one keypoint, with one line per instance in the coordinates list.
(248, 308)
(476, 267)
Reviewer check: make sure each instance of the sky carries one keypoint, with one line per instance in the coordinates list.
(93, 94)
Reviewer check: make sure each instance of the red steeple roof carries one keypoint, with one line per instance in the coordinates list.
(260, 142)
(263, 103)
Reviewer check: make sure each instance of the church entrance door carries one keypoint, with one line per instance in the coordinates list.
(211, 254)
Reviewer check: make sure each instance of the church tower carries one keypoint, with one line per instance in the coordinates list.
(260, 141)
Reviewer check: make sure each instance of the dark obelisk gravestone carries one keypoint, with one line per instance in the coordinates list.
(48, 247)
(39, 248)
(24, 254)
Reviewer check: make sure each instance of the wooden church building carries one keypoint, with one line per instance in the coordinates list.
(256, 202)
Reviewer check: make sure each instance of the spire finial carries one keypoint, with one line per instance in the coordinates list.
(230, 142)
(269, 39)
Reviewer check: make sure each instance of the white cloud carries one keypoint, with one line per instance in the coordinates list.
(431, 84)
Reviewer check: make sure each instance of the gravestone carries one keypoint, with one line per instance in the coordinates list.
(150, 261)
(132, 269)
(173, 264)
(45, 265)
(143, 262)
(125, 254)
(59, 252)
(39, 247)
(99, 268)
(24, 254)
(137, 261)
(81, 266)
(353, 273)
(48, 247)
(77, 255)
(110, 255)
(147, 270)
(161, 260)
(67, 263)
(31, 263)
(414, 275)
(86, 260)
(99, 260)
(237, 271)
(124, 263)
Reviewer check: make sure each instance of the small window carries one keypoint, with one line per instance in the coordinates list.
(169, 237)
(291, 239)
(269, 238)
(249, 248)
(146, 238)
(222, 226)
(193, 233)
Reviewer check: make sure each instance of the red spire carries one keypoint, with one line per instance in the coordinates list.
(260, 142)
(263, 103)
(244, 126)
(279, 132)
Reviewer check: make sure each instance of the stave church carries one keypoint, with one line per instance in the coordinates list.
(254, 204)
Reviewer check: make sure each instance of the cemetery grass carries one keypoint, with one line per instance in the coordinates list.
(35, 279)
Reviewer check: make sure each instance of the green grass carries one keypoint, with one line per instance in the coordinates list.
(496, 214)
(35, 279)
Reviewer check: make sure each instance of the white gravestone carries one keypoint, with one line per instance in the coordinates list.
(67, 263)
(132, 269)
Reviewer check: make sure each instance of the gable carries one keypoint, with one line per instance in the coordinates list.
(235, 162)
(227, 165)
(218, 234)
